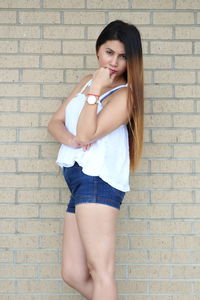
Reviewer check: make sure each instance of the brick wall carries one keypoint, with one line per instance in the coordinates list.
(46, 47)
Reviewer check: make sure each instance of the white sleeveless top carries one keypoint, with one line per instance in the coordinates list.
(108, 157)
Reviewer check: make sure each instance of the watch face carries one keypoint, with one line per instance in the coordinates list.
(91, 99)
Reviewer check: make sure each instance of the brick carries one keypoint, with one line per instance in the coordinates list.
(9, 32)
(186, 181)
(93, 32)
(20, 4)
(186, 151)
(187, 211)
(157, 121)
(138, 17)
(49, 271)
(84, 17)
(187, 91)
(157, 62)
(150, 212)
(38, 196)
(149, 272)
(131, 256)
(36, 256)
(53, 242)
(172, 136)
(39, 17)
(40, 47)
(18, 271)
(152, 32)
(91, 61)
(158, 91)
(131, 286)
(6, 256)
(18, 241)
(169, 256)
(7, 196)
(63, 32)
(9, 75)
(187, 62)
(18, 180)
(57, 90)
(20, 61)
(107, 5)
(7, 16)
(151, 181)
(39, 105)
(64, 4)
(19, 211)
(7, 227)
(62, 61)
(172, 227)
(40, 227)
(35, 165)
(19, 120)
(150, 242)
(8, 105)
(17, 150)
(171, 166)
(7, 286)
(131, 227)
(122, 242)
(187, 33)
(35, 135)
(187, 4)
(50, 150)
(42, 76)
(55, 211)
(137, 197)
(187, 242)
(169, 106)
(173, 18)
(186, 272)
(187, 121)
(8, 166)
(8, 46)
(152, 4)
(174, 76)
(197, 166)
(42, 286)
(20, 90)
(197, 135)
(171, 287)
(171, 197)
(7, 135)
(76, 75)
(143, 297)
(78, 47)
(157, 151)
(171, 47)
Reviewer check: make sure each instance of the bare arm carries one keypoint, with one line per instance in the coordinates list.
(56, 126)
(91, 126)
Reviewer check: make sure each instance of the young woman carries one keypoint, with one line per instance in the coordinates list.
(100, 127)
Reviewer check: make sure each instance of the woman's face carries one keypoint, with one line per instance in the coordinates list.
(111, 54)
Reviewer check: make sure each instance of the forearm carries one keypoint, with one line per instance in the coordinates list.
(87, 122)
(58, 130)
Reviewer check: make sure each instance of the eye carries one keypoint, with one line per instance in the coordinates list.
(123, 56)
(109, 52)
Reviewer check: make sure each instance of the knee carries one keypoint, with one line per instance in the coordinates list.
(101, 271)
(71, 276)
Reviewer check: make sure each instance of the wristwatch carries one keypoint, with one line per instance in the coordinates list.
(92, 99)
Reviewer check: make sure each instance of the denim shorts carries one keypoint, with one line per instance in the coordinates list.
(89, 189)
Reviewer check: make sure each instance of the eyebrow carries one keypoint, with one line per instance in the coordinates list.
(114, 51)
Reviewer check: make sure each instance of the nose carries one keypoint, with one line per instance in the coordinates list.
(114, 61)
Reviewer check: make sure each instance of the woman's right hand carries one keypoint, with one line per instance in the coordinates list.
(74, 143)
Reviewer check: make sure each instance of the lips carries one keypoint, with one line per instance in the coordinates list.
(112, 70)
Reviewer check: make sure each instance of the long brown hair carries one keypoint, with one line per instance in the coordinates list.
(129, 35)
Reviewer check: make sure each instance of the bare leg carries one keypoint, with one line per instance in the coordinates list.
(97, 224)
(75, 271)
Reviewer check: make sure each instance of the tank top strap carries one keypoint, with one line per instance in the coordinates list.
(112, 91)
(86, 85)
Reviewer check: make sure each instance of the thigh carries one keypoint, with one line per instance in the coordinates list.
(97, 226)
(73, 252)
